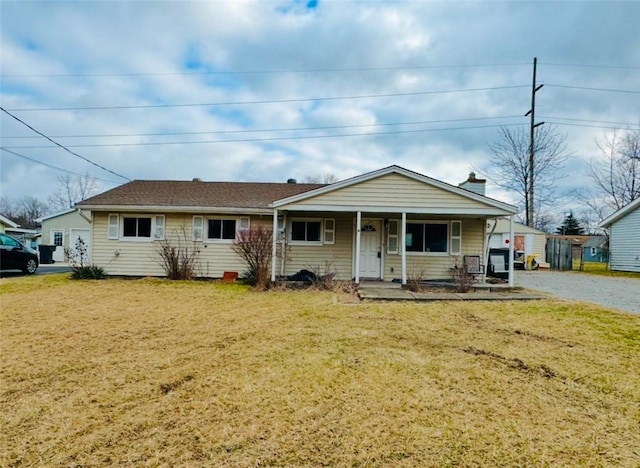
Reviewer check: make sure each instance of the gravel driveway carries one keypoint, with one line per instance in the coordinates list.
(617, 293)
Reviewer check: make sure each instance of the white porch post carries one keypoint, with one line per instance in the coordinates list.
(358, 225)
(511, 271)
(274, 247)
(403, 245)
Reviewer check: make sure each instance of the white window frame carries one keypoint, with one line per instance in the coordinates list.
(446, 253)
(305, 220)
(158, 226)
(593, 251)
(197, 231)
(113, 226)
(242, 223)
(453, 238)
(395, 237)
(329, 231)
(151, 237)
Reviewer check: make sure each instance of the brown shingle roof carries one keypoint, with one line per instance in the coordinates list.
(196, 194)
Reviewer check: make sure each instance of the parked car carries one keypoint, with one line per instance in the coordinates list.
(16, 256)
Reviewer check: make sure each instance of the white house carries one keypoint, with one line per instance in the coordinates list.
(624, 237)
(62, 229)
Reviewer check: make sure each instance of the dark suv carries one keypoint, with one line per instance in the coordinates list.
(16, 256)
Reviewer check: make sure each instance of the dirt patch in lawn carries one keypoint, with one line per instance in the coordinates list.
(152, 372)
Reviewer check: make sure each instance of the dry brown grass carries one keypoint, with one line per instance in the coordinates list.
(158, 373)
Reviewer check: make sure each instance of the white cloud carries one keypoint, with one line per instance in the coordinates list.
(383, 40)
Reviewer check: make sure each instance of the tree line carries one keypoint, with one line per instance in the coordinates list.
(70, 189)
(614, 176)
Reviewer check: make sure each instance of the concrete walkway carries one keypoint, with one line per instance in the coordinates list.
(387, 291)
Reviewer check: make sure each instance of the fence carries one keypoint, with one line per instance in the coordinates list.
(559, 254)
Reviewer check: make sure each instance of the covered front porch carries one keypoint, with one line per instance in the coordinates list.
(391, 224)
(384, 246)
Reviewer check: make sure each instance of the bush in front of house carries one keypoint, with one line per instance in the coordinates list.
(78, 259)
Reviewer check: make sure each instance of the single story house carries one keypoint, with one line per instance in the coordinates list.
(6, 223)
(624, 237)
(595, 250)
(526, 240)
(389, 224)
(62, 229)
(28, 237)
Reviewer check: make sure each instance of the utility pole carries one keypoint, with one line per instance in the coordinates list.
(530, 190)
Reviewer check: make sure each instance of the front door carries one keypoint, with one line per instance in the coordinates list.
(370, 249)
(57, 239)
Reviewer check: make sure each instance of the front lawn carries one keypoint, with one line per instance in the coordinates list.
(152, 372)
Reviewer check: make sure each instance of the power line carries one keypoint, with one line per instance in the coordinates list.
(271, 101)
(299, 137)
(61, 146)
(261, 72)
(577, 65)
(625, 124)
(593, 89)
(50, 165)
(211, 132)
(583, 125)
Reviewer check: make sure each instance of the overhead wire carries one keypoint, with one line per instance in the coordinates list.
(297, 137)
(61, 146)
(266, 101)
(51, 166)
(217, 132)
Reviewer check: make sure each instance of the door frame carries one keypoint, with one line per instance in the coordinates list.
(52, 242)
(364, 220)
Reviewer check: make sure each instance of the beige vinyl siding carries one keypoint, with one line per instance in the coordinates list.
(318, 258)
(624, 243)
(437, 266)
(140, 258)
(391, 190)
(540, 246)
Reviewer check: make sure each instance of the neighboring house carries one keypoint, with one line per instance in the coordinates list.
(387, 224)
(6, 223)
(26, 236)
(527, 240)
(595, 250)
(624, 237)
(62, 229)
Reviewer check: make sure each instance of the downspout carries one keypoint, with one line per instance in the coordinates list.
(358, 226)
(274, 247)
(511, 271)
(403, 243)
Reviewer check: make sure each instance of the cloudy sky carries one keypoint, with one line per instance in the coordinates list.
(241, 90)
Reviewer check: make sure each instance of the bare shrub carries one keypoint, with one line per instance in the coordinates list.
(462, 278)
(81, 267)
(179, 257)
(414, 280)
(255, 246)
(324, 277)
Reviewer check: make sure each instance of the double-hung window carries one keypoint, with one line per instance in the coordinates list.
(427, 237)
(221, 229)
(136, 227)
(218, 229)
(306, 231)
(312, 231)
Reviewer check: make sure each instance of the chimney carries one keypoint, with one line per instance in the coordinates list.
(197, 179)
(292, 181)
(474, 184)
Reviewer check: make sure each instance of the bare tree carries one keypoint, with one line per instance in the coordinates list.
(616, 174)
(72, 189)
(326, 178)
(509, 165)
(30, 209)
(9, 208)
(254, 246)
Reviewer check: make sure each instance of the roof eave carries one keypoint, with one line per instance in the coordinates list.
(620, 213)
(175, 209)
